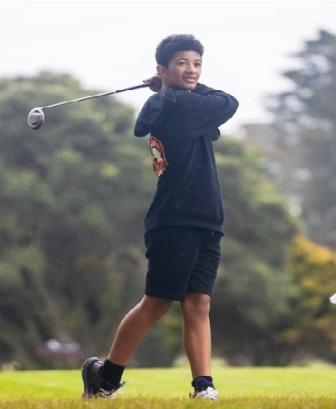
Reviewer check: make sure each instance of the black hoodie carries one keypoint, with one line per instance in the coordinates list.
(182, 126)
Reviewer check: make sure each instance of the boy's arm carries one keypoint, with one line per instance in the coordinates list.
(205, 108)
(153, 114)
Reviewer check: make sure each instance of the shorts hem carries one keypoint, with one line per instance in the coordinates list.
(200, 291)
(165, 295)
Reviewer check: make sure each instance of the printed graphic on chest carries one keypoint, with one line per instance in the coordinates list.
(160, 163)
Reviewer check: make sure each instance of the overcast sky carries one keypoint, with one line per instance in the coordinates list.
(110, 44)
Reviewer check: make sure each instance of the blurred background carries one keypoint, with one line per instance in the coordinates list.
(73, 194)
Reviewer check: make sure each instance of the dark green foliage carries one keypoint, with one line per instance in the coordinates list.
(72, 202)
(73, 198)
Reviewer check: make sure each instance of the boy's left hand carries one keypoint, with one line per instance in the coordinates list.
(155, 83)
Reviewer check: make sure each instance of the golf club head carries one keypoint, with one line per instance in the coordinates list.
(35, 118)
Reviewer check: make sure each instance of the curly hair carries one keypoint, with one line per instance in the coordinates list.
(174, 43)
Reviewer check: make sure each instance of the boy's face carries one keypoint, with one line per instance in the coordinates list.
(183, 71)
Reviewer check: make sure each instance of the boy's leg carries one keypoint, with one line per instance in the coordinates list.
(197, 333)
(197, 343)
(103, 378)
(135, 326)
(196, 309)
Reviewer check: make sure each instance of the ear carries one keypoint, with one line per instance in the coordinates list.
(161, 71)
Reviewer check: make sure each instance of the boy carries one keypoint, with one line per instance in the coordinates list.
(183, 223)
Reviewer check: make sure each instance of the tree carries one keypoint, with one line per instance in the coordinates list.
(309, 330)
(305, 117)
(65, 195)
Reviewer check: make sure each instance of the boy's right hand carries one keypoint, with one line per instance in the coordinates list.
(155, 83)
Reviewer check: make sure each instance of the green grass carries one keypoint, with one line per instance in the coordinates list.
(240, 388)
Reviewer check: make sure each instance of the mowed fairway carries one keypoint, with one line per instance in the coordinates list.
(240, 388)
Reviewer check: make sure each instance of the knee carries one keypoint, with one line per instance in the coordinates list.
(196, 305)
(154, 308)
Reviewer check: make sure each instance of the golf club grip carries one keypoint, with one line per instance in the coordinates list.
(102, 94)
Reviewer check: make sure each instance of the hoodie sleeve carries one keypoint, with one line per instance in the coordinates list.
(205, 108)
(200, 111)
(142, 127)
(152, 115)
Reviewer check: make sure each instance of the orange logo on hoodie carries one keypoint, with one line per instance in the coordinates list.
(160, 163)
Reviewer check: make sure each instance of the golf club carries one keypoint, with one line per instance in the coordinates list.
(36, 116)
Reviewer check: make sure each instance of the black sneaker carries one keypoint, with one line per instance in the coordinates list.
(94, 387)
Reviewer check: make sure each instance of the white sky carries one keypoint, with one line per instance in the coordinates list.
(111, 44)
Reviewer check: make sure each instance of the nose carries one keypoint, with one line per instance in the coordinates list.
(191, 68)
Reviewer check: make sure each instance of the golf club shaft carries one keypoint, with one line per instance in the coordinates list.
(102, 94)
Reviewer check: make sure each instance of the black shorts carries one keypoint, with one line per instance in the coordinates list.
(181, 259)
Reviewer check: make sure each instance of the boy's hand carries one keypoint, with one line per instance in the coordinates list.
(155, 83)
